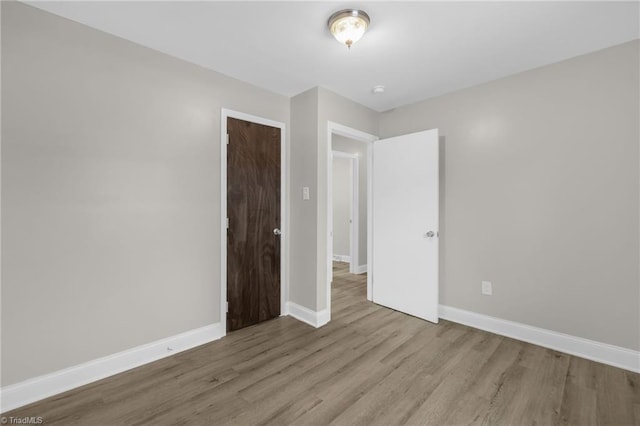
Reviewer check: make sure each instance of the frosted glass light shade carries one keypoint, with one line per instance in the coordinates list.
(348, 26)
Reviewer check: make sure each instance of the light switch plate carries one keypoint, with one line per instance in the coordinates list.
(305, 192)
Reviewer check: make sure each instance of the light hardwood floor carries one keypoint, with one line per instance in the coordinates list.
(368, 366)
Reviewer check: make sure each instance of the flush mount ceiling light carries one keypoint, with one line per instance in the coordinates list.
(349, 25)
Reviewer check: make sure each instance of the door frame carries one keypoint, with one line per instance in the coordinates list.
(228, 113)
(334, 128)
(354, 233)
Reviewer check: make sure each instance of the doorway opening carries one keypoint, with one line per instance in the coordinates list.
(358, 143)
(403, 194)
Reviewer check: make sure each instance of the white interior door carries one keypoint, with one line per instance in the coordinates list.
(405, 223)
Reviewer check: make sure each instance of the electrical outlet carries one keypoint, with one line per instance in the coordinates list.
(305, 192)
(486, 288)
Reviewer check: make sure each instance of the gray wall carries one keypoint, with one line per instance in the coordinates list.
(342, 196)
(340, 143)
(541, 194)
(110, 192)
(302, 265)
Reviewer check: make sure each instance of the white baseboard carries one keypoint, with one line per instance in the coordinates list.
(37, 388)
(578, 346)
(341, 258)
(313, 318)
(323, 317)
(284, 310)
(361, 269)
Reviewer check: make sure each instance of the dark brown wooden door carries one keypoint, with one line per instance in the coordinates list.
(253, 209)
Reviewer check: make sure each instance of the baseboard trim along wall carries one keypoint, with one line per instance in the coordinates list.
(361, 269)
(590, 349)
(342, 258)
(32, 390)
(314, 318)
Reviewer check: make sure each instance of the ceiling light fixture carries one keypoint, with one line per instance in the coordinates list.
(349, 25)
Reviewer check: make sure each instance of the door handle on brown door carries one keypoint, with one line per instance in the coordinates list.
(277, 231)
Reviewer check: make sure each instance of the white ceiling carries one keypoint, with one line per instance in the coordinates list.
(416, 49)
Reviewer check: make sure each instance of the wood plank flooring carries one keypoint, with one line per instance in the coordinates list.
(368, 366)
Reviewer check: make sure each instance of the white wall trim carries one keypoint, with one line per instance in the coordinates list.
(37, 388)
(284, 219)
(306, 315)
(590, 349)
(323, 317)
(342, 258)
(361, 269)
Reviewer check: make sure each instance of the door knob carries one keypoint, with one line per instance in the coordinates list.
(429, 234)
(277, 231)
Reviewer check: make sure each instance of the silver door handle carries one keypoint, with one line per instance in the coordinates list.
(430, 234)
(277, 231)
